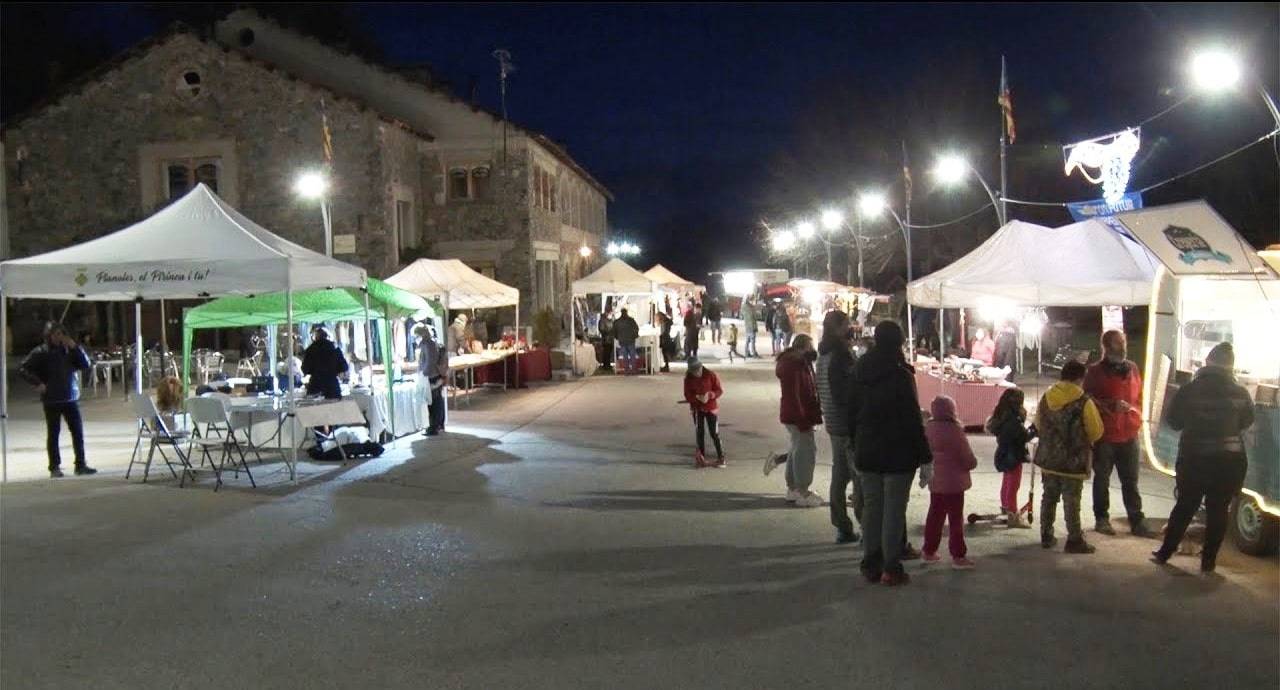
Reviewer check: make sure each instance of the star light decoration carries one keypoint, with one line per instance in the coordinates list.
(1112, 155)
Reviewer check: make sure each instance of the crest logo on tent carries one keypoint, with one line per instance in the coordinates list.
(81, 277)
(1193, 247)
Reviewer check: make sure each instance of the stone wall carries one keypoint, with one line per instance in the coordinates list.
(91, 161)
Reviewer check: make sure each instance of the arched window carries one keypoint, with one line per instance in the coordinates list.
(458, 188)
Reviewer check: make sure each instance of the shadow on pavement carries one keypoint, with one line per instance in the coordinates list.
(656, 500)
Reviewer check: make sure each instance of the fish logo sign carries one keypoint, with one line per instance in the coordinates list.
(1192, 247)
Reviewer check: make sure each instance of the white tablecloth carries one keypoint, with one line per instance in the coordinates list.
(411, 402)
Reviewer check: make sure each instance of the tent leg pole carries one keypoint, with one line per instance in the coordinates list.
(293, 442)
(573, 336)
(518, 344)
(942, 334)
(4, 389)
(137, 347)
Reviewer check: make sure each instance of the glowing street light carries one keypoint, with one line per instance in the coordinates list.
(871, 204)
(783, 241)
(832, 219)
(950, 169)
(1214, 70)
(617, 249)
(804, 230)
(584, 251)
(311, 185)
(314, 185)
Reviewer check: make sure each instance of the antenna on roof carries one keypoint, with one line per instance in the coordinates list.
(505, 68)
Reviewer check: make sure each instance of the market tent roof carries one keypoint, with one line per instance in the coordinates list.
(454, 284)
(197, 246)
(664, 276)
(1082, 264)
(614, 278)
(315, 306)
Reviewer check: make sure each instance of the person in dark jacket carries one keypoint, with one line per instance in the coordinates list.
(691, 321)
(324, 362)
(834, 377)
(888, 446)
(627, 331)
(714, 313)
(433, 365)
(1211, 412)
(54, 369)
(1008, 423)
(665, 342)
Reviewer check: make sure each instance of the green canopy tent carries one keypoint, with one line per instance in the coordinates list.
(377, 300)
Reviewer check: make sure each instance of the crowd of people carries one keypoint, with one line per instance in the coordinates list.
(1083, 427)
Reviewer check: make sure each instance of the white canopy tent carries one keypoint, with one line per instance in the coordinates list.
(457, 286)
(616, 277)
(1085, 264)
(196, 247)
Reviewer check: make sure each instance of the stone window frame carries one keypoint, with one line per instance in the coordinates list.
(153, 176)
(458, 172)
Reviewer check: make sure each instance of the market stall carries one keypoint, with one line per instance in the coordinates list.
(376, 300)
(617, 279)
(196, 247)
(457, 286)
(1024, 268)
(1213, 287)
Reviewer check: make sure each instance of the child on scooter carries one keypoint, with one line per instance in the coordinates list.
(1008, 423)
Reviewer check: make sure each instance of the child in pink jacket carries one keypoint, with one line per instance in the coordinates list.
(952, 460)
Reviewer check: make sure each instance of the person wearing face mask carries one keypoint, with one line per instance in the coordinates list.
(800, 411)
(1116, 388)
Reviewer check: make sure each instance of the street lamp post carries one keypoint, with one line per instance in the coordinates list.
(313, 185)
(832, 220)
(952, 168)
(1216, 70)
(872, 204)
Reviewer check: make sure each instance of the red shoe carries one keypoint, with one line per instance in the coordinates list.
(699, 461)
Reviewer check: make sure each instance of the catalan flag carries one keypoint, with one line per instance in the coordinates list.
(1005, 99)
(328, 137)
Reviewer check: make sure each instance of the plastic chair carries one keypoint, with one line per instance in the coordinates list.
(212, 412)
(209, 362)
(151, 426)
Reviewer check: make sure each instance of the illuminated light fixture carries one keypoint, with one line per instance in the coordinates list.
(1214, 70)
(740, 283)
(783, 241)
(872, 204)
(612, 249)
(1112, 155)
(996, 311)
(804, 230)
(311, 185)
(950, 169)
(832, 219)
(584, 251)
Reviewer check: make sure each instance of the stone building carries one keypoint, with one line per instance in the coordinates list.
(415, 170)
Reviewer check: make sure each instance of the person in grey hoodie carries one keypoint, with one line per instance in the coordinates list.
(834, 377)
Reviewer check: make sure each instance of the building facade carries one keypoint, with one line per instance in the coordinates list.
(245, 109)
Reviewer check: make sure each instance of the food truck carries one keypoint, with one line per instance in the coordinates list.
(1212, 286)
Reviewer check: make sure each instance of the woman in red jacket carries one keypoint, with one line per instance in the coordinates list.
(799, 412)
(702, 390)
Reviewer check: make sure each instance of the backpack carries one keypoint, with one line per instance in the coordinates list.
(1064, 445)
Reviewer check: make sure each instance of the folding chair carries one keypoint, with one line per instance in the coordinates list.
(250, 365)
(210, 362)
(212, 412)
(151, 426)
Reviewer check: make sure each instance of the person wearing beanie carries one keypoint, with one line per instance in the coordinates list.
(889, 445)
(1116, 388)
(1212, 412)
(703, 392)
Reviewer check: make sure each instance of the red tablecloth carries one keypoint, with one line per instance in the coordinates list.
(535, 365)
(974, 401)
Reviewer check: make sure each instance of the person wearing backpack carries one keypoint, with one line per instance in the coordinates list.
(1069, 425)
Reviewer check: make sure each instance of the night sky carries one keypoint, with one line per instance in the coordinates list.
(705, 120)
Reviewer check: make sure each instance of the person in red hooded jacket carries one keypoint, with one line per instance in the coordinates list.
(1116, 388)
(800, 412)
(702, 390)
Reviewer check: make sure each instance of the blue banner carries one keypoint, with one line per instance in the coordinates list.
(1084, 210)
